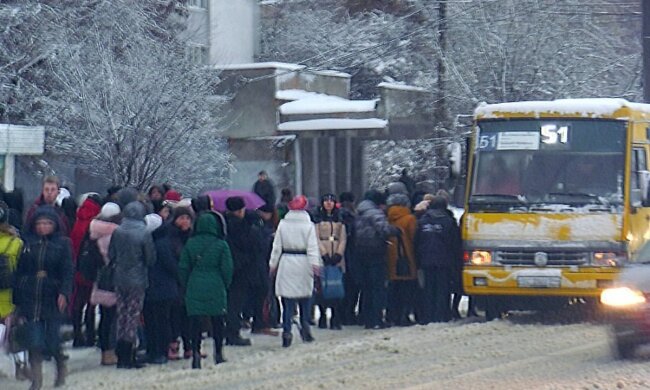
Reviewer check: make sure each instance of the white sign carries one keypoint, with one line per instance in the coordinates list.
(518, 140)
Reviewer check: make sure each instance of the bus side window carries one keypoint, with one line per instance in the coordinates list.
(639, 177)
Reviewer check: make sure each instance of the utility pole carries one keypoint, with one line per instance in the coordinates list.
(442, 111)
(646, 50)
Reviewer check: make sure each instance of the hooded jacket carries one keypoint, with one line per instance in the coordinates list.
(10, 245)
(132, 249)
(371, 232)
(401, 218)
(44, 270)
(206, 269)
(163, 274)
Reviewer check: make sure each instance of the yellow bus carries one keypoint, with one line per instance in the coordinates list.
(556, 199)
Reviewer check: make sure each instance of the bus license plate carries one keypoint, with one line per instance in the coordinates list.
(538, 281)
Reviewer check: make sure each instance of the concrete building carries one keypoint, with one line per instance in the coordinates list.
(301, 127)
(222, 31)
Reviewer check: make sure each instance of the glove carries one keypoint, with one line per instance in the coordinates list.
(336, 258)
(326, 259)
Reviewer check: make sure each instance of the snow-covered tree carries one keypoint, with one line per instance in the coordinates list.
(121, 98)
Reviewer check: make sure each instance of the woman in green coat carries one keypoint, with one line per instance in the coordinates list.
(205, 271)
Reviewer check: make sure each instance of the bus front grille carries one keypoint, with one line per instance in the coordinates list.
(527, 257)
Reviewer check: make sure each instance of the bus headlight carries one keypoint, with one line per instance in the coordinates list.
(479, 257)
(622, 297)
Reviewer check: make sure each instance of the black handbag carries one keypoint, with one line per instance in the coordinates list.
(402, 268)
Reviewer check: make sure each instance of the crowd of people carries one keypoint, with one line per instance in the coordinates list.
(162, 270)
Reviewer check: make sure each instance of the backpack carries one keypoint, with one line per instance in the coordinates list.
(6, 273)
(89, 259)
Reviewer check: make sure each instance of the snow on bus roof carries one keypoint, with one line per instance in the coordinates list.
(584, 107)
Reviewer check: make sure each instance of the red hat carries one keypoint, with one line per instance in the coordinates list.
(173, 196)
(298, 203)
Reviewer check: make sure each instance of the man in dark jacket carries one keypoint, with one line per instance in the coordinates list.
(264, 188)
(371, 232)
(49, 192)
(132, 251)
(244, 245)
(352, 277)
(437, 247)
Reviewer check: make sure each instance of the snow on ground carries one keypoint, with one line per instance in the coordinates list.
(520, 352)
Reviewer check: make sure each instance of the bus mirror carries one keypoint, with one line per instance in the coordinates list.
(455, 159)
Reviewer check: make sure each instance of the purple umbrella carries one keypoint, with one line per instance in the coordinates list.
(251, 199)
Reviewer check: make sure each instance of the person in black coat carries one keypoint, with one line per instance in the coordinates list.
(161, 294)
(244, 243)
(264, 188)
(43, 284)
(437, 247)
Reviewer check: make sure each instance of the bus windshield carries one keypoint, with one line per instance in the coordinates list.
(527, 162)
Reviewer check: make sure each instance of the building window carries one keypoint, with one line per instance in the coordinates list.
(198, 3)
(197, 54)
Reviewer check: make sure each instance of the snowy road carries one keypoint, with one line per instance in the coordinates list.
(518, 353)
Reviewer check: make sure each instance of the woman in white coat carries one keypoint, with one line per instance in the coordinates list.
(295, 260)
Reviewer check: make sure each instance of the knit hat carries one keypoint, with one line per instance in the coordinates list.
(152, 222)
(298, 203)
(235, 203)
(375, 197)
(178, 211)
(398, 200)
(109, 210)
(397, 188)
(173, 196)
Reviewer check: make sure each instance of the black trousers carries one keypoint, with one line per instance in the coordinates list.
(436, 296)
(348, 307)
(82, 309)
(237, 294)
(258, 297)
(157, 326)
(180, 325)
(372, 302)
(196, 329)
(401, 295)
(107, 328)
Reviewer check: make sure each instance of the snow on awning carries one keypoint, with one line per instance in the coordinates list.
(316, 103)
(333, 124)
(401, 87)
(584, 107)
(262, 65)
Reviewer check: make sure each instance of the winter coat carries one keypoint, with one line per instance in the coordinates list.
(437, 242)
(295, 271)
(177, 240)
(44, 270)
(102, 231)
(132, 249)
(245, 241)
(10, 245)
(206, 269)
(88, 210)
(266, 191)
(401, 218)
(371, 232)
(163, 274)
(332, 237)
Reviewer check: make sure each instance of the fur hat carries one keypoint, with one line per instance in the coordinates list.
(178, 211)
(398, 200)
(235, 203)
(300, 202)
(109, 210)
(397, 187)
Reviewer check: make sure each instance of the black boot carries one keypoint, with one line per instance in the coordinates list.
(238, 341)
(305, 334)
(134, 362)
(286, 340)
(218, 351)
(123, 351)
(196, 358)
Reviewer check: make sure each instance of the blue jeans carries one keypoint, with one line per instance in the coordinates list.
(289, 308)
